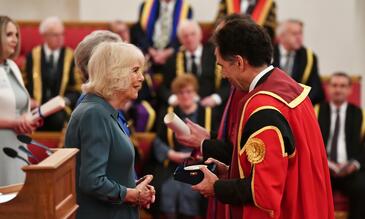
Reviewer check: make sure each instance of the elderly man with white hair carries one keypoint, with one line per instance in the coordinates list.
(50, 72)
(198, 59)
(299, 62)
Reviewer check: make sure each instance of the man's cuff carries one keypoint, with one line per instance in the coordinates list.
(233, 191)
(217, 99)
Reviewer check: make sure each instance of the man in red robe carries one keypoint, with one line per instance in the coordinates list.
(279, 166)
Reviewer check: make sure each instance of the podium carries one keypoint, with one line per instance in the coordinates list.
(48, 191)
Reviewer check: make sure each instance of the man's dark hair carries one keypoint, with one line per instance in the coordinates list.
(243, 37)
(341, 74)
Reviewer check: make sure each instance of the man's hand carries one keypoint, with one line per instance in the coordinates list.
(222, 169)
(196, 136)
(206, 186)
(347, 169)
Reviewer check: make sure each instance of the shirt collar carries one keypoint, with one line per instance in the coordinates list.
(170, 5)
(283, 51)
(342, 108)
(197, 53)
(259, 76)
(48, 51)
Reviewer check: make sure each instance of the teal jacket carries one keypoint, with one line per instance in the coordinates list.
(105, 164)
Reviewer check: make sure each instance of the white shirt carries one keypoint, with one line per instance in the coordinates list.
(259, 76)
(284, 55)
(198, 54)
(245, 5)
(48, 52)
(341, 144)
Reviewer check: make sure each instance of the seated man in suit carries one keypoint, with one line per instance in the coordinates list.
(173, 197)
(50, 72)
(155, 32)
(295, 59)
(198, 59)
(342, 125)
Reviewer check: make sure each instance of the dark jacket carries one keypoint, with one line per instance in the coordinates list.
(354, 136)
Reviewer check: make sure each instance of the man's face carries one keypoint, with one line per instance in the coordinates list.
(292, 37)
(190, 38)
(54, 36)
(122, 30)
(233, 72)
(339, 89)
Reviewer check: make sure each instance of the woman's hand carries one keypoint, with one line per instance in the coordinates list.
(25, 125)
(145, 192)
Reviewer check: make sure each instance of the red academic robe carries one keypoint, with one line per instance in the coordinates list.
(283, 185)
(230, 118)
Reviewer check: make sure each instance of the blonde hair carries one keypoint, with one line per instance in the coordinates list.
(182, 81)
(4, 20)
(110, 68)
(84, 48)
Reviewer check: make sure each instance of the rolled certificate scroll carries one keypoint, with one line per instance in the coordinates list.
(176, 124)
(50, 107)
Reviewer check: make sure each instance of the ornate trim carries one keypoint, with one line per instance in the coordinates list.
(308, 67)
(152, 115)
(269, 211)
(37, 74)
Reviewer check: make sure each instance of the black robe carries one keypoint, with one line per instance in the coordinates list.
(298, 72)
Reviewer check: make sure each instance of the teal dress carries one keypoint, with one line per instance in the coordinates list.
(105, 163)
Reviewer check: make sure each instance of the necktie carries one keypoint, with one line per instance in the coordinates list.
(333, 152)
(123, 123)
(163, 39)
(194, 67)
(51, 62)
(288, 63)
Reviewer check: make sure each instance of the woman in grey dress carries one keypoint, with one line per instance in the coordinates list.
(14, 101)
(105, 178)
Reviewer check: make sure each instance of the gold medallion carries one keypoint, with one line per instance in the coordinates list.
(255, 150)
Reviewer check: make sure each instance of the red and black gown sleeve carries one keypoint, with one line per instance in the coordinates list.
(269, 127)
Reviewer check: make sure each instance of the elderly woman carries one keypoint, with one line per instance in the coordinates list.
(14, 101)
(176, 199)
(84, 50)
(106, 186)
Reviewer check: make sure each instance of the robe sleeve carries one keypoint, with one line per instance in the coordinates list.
(267, 144)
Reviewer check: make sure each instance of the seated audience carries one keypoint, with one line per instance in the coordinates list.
(121, 28)
(14, 101)
(155, 32)
(298, 61)
(342, 125)
(50, 72)
(176, 199)
(198, 59)
(105, 177)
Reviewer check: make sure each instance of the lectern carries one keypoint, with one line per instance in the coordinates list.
(48, 191)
